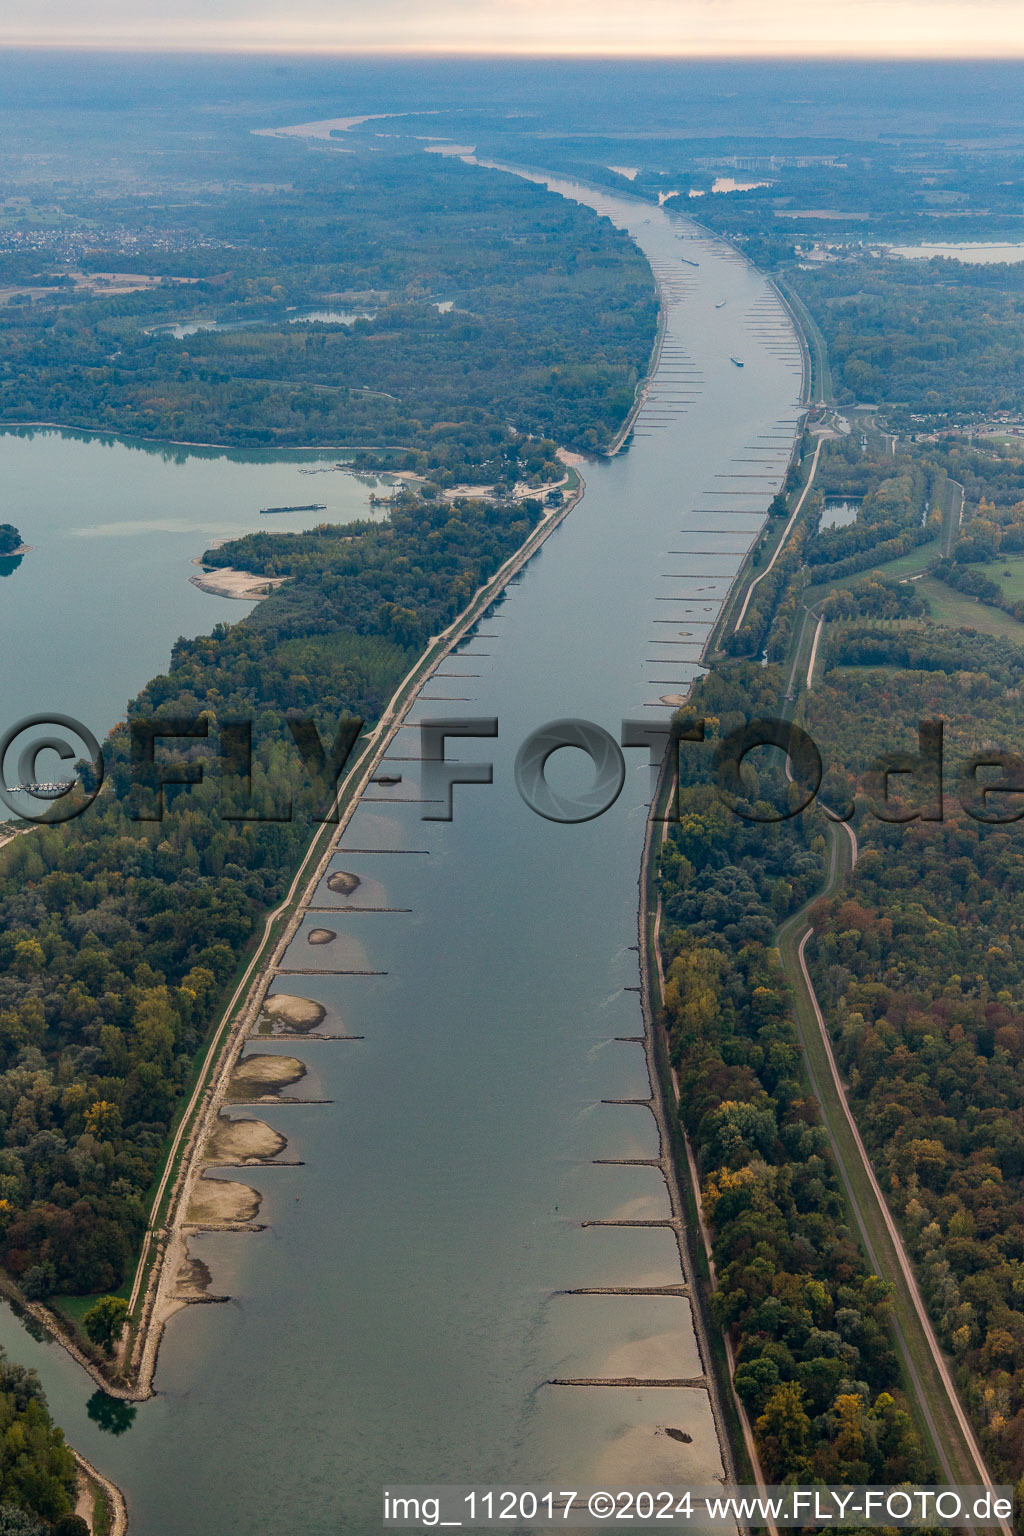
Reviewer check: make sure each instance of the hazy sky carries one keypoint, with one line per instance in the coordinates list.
(944, 27)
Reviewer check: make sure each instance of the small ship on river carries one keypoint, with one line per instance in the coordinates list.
(313, 506)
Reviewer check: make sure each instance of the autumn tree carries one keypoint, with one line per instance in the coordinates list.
(782, 1433)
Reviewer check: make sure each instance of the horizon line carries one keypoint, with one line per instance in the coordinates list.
(796, 53)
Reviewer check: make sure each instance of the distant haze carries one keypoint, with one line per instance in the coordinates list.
(935, 28)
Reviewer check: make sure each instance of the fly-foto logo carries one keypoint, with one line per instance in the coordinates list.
(899, 786)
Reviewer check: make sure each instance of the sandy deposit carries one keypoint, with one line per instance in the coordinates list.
(260, 1077)
(220, 1202)
(294, 1013)
(342, 883)
(193, 1279)
(662, 1354)
(321, 935)
(242, 1141)
(227, 582)
(644, 1455)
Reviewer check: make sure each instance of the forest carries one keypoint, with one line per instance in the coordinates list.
(919, 963)
(936, 341)
(815, 1364)
(891, 520)
(499, 320)
(493, 313)
(37, 1471)
(455, 323)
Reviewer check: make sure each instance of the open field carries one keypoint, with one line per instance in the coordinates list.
(955, 611)
(918, 560)
(1011, 583)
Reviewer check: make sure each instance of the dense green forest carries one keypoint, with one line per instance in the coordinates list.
(920, 965)
(816, 1368)
(987, 469)
(10, 539)
(447, 320)
(919, 962)
(548, 318)
(37, 1471)
(989, 536)
(891, 519)
(937, 342)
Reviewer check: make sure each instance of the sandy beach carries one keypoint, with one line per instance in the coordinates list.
(193, 1280)
(228, 582)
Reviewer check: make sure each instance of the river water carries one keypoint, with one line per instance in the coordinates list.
(399, 1317)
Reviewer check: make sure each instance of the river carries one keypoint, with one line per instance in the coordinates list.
(399, 1316)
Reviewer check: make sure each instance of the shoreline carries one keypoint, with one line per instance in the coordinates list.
(259, 977)
(117, 1508)
(181, 442)
(655, 1052)
(136, 1383)
(58, 1331)
(165, 1245)
(644, 384)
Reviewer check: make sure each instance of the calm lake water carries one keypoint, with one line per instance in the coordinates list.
(92, 612)
(973, 253)
(309, 316)
(838, 512)
(399, 1318)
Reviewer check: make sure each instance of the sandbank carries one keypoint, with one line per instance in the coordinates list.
(242, 1141)
(219, 1202)
(258, 1077)
(342, 883)
(193, 1279)
(294, 1013)
(228, 582)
